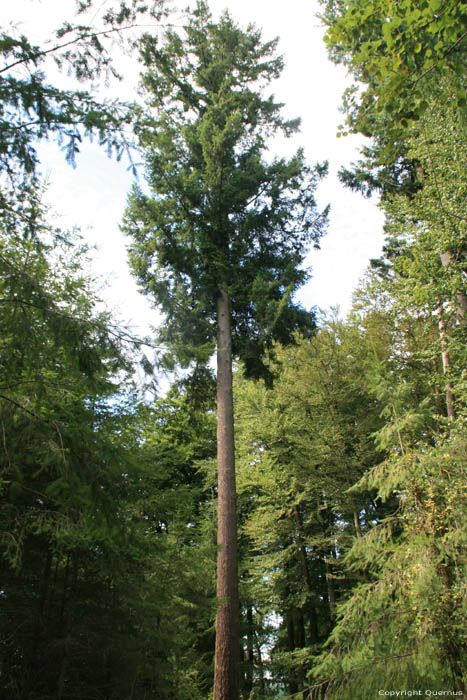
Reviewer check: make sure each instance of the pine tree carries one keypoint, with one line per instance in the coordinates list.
(301, 445)
(107, 535)
(219, 242)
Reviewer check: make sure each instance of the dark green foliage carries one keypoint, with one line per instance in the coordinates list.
(219, 214)
(57, 463)
(351, 470)
(32, 109)
(107, 587)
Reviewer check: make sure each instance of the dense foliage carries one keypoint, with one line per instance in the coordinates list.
(350, 464)
(220, 212)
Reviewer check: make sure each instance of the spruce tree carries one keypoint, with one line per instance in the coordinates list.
(220, 241)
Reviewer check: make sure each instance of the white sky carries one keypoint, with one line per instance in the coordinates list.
(93, 195)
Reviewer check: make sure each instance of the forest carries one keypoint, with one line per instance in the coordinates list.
(288, 518)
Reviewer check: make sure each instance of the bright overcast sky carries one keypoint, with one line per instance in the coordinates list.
(93, 195)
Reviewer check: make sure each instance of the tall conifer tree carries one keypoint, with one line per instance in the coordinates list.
(219, 244)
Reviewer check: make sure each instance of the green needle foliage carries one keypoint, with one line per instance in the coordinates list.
(351, 464)
(106, 542)
(33, 109)
(300, 446)
(220, 240)
(218, 214)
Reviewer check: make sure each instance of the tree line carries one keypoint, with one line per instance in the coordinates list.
(317, 549)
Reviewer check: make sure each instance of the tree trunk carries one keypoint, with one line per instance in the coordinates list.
(461, 296)
(312, 615)
(259, 657)
(250, 657)
(356, 522)
(44, 592)
(451, 411)
(331, 595)
(65, 623)
(301, 643)
(293, 686)
(226, 666)
(290, 632)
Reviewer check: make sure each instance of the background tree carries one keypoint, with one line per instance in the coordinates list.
(301, 445)
(220, 242)
(58, 361)
(413, 572)
(107, 539)
(402, 56)
(410, 100)
(399, 53)
(32, 109)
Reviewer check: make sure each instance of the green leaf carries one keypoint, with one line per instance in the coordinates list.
(386, 28)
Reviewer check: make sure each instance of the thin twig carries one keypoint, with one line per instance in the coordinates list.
(31, 413)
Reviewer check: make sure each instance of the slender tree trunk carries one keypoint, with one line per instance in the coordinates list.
(461, 296)
(64, 593)
(259, 657)
(293, 686)
(62, 676)
(356, 523)
(290, 632)
(301, 643)
(300, 637)
(446, 362)
(331, 595)
(40, 622)
(250, 657)
(312, 615)
(65, 621)
(226, 666)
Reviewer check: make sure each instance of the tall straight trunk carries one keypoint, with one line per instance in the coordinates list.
(226, 662)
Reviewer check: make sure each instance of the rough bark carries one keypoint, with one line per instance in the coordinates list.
(226, 663)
